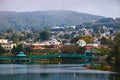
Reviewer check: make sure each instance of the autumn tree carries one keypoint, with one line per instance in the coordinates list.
(86, 38)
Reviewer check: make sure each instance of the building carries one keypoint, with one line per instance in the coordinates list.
(8, 46)
(93, 44)
(3, 41)
(54, 42)
(36, 46)
(81, 43)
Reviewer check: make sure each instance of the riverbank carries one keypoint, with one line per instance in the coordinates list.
(104, 67)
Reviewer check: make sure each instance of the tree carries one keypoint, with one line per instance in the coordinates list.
(80, 50)
(44, 35)
(86, 38)
(10, 30)
(17, 49)
(30, 35)
(28, 49)
(116, 51)
(104, 51)
(14, 50)
(2, 50)
(105, 41)
(20, 48)
(75, 39)
(16, 37)
(114, 58)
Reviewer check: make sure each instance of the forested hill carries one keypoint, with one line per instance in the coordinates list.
(108, 22)
(41, 19)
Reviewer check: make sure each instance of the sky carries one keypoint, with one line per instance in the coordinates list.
(107, 8)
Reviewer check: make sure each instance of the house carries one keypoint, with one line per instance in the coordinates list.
(54, 42)
(93, 44)
(3, 41)
(81, 43)
(39, 45)
(8, 46)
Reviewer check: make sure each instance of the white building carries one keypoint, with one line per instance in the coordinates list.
(81, 43)
(8, 46)
(55, 42)
(93, 44)
(3, 41)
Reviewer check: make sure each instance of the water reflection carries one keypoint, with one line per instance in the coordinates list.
(55, 76)
(50, 72)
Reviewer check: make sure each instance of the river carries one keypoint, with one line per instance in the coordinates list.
(50, 72)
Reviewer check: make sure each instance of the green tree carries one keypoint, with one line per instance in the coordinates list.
(30, 35)
(20, 48)
(28, 50)
(44, 35)
(105, 41)
(10, 30)
(116, 52)
(104, 51)
(114, 58)
(80, 50)
(2, 50)
(17, 49)
(75, 39)
(15, 37)
(14, 50)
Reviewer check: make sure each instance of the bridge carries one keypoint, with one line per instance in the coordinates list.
(43, 56)
(47, 56)
(6, 57)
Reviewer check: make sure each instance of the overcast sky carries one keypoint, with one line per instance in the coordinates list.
(108, 8)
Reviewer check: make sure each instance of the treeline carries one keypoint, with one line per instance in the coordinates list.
(108, 22)
(40, 19)
(17, 36)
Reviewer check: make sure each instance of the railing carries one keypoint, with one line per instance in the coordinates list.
(59, 55)
(44, 56)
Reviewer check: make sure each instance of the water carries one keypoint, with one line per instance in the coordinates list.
(50, 72)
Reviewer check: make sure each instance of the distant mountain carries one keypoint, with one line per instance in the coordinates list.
(41, 19)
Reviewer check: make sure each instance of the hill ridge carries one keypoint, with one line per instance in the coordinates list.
(41, 19)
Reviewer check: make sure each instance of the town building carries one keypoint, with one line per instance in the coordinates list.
(81, 43)
(3, 41)
(8, 46)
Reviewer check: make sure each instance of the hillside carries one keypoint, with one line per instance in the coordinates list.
(41, 19)
(108, 22)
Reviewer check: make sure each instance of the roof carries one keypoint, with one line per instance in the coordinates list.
(81, 41)
(21, 54)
